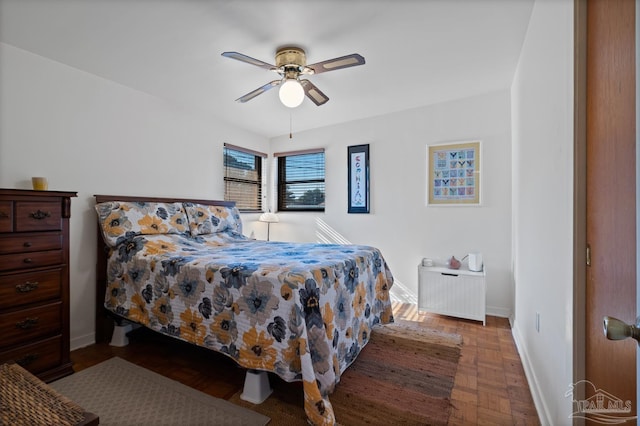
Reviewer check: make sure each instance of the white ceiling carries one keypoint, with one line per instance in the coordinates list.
(417, 52)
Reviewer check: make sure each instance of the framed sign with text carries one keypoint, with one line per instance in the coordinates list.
(358, 158)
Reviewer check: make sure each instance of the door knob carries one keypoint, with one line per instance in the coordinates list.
(614, 329)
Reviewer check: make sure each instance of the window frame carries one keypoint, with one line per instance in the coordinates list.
(281, 183)
(259, 159)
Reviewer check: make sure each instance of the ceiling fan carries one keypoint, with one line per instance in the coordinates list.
(291, 63)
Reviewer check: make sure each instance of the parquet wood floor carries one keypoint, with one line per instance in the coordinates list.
(490, 386)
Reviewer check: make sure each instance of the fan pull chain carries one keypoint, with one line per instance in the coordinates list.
(290, 125)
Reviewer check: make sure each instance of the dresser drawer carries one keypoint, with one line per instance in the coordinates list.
(38, 216)
(6, 216)
(29, 324)
(9, 262)
(23, 243)
(29, 287)
(37, 356)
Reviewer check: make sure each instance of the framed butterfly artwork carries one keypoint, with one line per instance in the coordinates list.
(453, 173)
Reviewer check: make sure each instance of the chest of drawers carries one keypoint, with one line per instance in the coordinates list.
(34, 281)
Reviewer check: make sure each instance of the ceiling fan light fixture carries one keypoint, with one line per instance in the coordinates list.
(291, 93)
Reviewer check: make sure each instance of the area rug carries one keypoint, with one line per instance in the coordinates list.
(403, 376)
(122, 393)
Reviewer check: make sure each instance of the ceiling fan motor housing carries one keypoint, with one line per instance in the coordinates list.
(290, 60)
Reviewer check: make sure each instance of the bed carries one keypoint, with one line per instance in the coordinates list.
(182, 267)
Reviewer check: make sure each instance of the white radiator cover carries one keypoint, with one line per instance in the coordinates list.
(459, 293)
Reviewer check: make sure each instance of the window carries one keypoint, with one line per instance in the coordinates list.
(301, 180)
(243, 177)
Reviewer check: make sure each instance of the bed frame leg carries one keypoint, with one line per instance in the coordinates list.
(256, 387)
(119, 337)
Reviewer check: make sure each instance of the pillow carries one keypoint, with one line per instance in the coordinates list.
(120, 220)
(204, 219)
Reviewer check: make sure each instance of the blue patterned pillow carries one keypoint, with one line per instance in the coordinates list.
(205, 219)
(120, 220)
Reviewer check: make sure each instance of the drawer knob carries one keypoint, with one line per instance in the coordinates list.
(28, 260)
(4, 215)
(27, 286)
(39, 215)
(27, 323)
(27, 244)
(27, 359)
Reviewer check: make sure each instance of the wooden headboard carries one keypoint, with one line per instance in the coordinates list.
(104, 322)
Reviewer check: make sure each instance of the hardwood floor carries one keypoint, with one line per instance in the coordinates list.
(490, 386)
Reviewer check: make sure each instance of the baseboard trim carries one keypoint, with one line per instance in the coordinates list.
(534, 387)
(496, 311)
(82, 341)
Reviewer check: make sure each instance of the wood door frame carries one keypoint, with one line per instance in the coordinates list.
(637, 192)
(579, 195)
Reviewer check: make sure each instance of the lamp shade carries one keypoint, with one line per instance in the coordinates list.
(291, 93)
(269, 217)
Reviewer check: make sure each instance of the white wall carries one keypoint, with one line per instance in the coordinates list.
(542, 102)
(93, 136)
(400, 223)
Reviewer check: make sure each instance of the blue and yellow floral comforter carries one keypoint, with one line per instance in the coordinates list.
(302, 311)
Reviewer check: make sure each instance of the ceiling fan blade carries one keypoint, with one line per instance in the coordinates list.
(337, 63)
(314, 93)
(258, 91)
(248, 59)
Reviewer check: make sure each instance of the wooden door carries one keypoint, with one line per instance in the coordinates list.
(610, 195)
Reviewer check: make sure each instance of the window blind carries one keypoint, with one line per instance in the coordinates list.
(301, 180)
(243, 177)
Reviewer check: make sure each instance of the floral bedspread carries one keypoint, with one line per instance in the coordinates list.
(302, 311)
